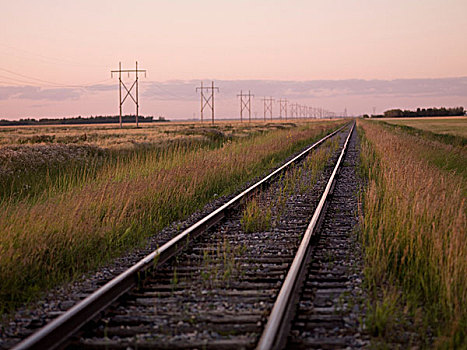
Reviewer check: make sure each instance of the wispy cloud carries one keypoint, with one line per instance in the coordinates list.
(38, 93)
(100, 87)
(315, 89)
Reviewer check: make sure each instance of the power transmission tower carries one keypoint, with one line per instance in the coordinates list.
(128, 91)
(283, 108)
(207, 100)
(268, 106)
(245, 104)
(301, 109)
(292, 110)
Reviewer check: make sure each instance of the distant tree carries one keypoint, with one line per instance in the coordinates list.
(430, 112)
(79, 120)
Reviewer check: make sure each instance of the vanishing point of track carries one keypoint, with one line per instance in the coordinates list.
(167, 293)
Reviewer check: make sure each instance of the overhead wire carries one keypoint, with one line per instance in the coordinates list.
(19, 78)
(15, 80)
(50, 83)
(157, 85)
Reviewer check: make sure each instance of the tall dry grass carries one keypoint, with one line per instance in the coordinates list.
(63, 233)
(110, 136)
(33, 159)
(414, 231)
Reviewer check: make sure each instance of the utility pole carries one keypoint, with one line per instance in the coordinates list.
(245, 104)
(268, 106)
(207, 99)
(128, 91)
(292, 110)
(283, 108)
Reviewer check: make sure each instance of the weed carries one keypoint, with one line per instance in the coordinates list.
(174, 279)
(381, 316)
(255, 218)
(220, 263)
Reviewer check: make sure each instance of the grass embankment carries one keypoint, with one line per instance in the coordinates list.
(414, 234)
(66, 231)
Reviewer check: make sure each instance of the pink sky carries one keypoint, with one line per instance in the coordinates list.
(59, 46)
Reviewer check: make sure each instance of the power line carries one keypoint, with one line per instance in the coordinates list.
(267, 106)
(245, 104)
(283, 108)
(51, 84)
(168, 92)
(207, 100)
(293, 110)
(29, 77)
(15, 80)
(128, 91)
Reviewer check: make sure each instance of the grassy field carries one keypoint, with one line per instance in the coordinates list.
(110, 136)
(445, 151)
(67, 208)
(415, 239)
(442, 125)
(55, 153)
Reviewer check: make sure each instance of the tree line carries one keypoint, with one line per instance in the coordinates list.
(81, 120)
(425, 112)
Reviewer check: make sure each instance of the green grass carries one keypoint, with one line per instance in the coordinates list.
(447, 152)
(255, 218)
(28, 171)
(222, 263)
(414, 234)
(82, 221)
(443, 126)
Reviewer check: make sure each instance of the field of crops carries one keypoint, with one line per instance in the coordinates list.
(72, 198)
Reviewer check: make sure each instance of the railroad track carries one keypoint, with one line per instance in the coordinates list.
(220, 292)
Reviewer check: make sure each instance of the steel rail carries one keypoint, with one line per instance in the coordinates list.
(54, 334)
(277, 326)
